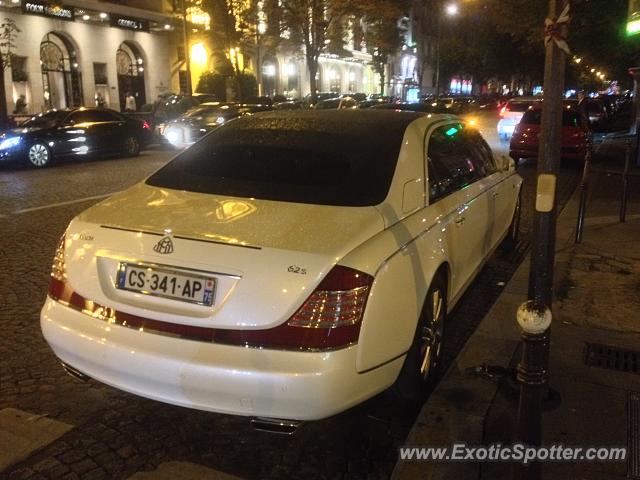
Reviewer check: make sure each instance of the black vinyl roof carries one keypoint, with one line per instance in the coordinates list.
(359, 123)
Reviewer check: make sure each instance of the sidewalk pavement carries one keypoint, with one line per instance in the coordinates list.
(597, 301)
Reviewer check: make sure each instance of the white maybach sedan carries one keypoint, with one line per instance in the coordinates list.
(288, 266)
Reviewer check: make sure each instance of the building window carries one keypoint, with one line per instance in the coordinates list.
(182, 80)
(19, 68)
(100, 74)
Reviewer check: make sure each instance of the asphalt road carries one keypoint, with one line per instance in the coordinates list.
(116, 434)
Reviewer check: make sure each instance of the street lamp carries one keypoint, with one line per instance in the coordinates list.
(451, 10)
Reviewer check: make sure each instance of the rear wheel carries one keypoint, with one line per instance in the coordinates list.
(38, 155)
(131, 147)
(510, 241)
(423, 363)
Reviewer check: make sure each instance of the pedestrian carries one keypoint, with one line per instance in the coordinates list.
(583, 108)
(21, 106)
(130, 103)
(159, 112)
(100, 103)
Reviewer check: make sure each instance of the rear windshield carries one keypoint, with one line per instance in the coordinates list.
(519, 106)
(569, 118)
(293, 160)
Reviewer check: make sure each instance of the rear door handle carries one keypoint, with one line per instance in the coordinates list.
(460, 220)
(495, 194)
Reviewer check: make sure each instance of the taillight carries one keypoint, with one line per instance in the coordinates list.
(329, 319)
(503, 110)
(59, 268)
(58, 279)
(145, 125)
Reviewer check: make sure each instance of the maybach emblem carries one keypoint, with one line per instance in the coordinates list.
(164, 246)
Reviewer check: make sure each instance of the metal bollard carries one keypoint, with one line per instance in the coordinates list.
(624, 198)
(535, 320)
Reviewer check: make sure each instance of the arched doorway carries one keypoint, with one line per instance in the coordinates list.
(293, 79)
(335, 80)
(130, 68)
(60, 75)
(269, 76)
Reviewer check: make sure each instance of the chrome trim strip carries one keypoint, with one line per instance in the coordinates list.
(182, 237)
(439, 220)
(384, 363)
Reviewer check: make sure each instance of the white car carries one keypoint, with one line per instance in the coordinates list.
(511, 114)
(290, 265)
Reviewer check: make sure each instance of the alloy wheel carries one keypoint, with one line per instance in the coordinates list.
(431, 336)
(39, 155)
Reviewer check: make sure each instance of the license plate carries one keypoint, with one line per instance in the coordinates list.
(153, 280)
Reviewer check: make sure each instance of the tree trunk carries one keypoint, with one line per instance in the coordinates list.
(382, 80)
(312, 65)
(4, 111)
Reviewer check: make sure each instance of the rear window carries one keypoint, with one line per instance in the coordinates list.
(291, 160)
(569, 118)
(519, 106)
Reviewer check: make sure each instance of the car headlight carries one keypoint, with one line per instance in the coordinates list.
(10, 142)
(173, 135)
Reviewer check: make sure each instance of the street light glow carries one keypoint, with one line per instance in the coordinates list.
(452, 9)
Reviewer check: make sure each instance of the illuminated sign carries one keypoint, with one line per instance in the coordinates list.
(129, 23)
(46, 9)
(633, 22)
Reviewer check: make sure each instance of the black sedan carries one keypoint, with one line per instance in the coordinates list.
(74, 132)
(197, 122)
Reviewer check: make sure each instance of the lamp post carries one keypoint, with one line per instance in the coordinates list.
(187, 53)
(450, 10)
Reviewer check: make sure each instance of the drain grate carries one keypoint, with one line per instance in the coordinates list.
(633, 420)
(612, 358)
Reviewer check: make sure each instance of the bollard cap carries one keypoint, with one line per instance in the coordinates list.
(534, 318)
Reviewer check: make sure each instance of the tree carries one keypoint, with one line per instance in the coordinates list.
(318, 25)
(382, 32)
(8, 34)
(307, 22)
(233, 25)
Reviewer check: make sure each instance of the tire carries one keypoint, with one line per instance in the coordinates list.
(39, 155)
(422, 367)
(131, 147)
(510, 241)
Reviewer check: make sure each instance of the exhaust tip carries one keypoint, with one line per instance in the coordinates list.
(275, 425)
(77, 374)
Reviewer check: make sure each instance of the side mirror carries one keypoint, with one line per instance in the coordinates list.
(505, 163)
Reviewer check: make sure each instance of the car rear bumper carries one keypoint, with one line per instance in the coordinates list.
(221, 378)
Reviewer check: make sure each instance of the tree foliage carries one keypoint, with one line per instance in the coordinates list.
(319, 26)
(596, 35)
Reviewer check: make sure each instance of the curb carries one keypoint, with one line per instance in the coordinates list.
(456, 410)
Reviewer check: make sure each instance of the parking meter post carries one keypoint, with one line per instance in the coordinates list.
(625, 183)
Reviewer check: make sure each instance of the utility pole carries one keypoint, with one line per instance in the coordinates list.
(534, 316)
(187, 53)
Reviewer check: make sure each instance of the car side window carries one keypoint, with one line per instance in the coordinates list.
(85, 116)
(451, 164)
(483, 157)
